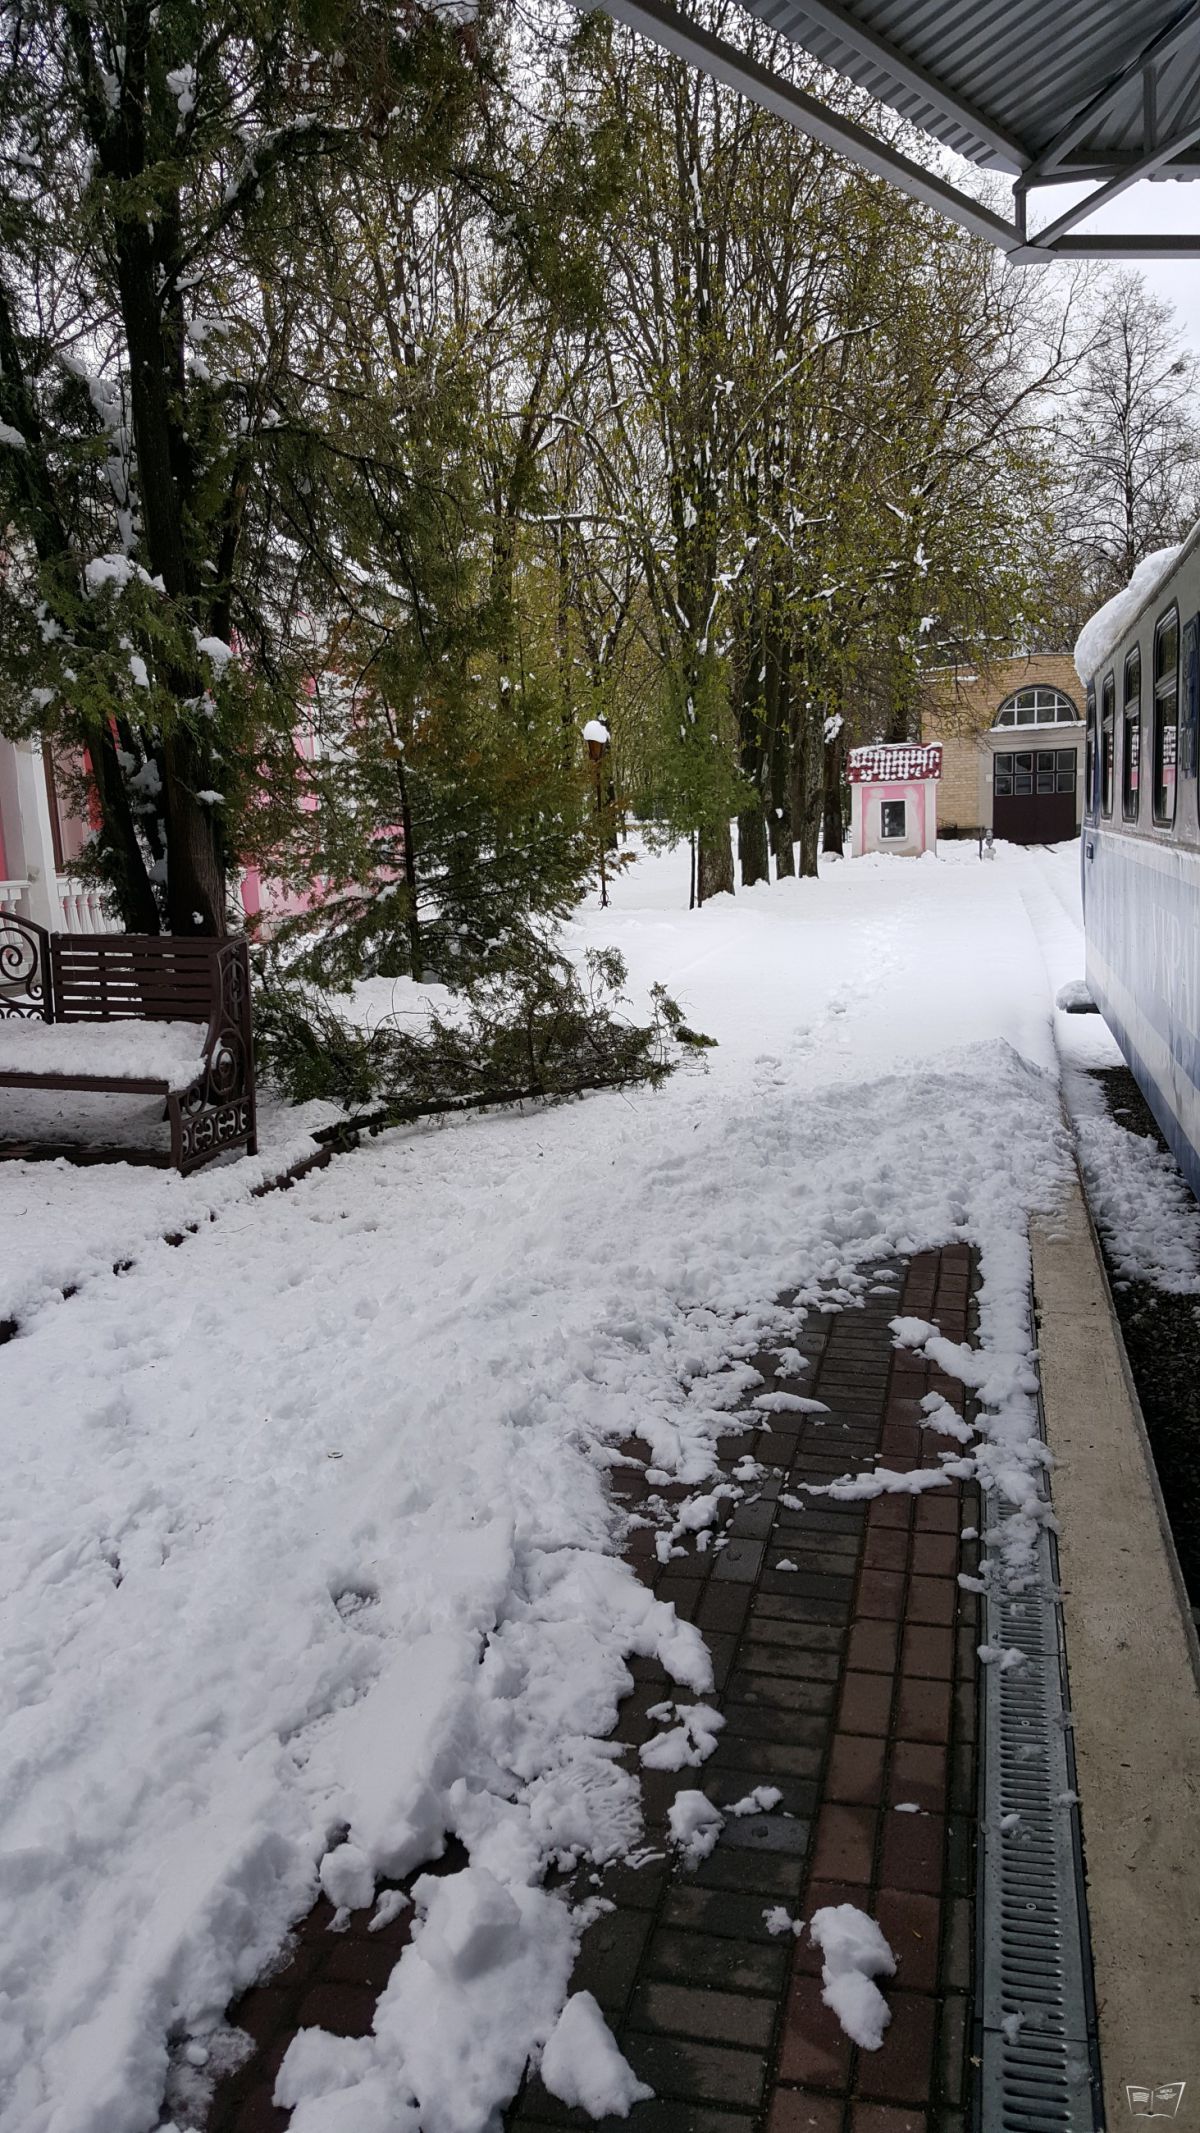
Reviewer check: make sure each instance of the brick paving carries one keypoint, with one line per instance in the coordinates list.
(848, 1682)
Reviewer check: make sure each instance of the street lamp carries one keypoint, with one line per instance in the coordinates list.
(595, 733)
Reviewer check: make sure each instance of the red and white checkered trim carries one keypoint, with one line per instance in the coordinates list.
(893, 765)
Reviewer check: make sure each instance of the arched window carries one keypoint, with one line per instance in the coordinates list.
(1037, 707)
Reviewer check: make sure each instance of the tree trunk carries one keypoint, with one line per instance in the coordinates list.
(832, 827)
(195, 863)
(412, 921)
(714, 864)
(753, 860)
(779, 815)
(126, 866)
(806, 801)
(195, 874)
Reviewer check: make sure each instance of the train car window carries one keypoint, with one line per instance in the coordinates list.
(1191, 698)
(1108, 719)
(1023, 774)
(1131, 743)
(1064, 770)
(1089, 780)
(1166, 713)
(1002, 775)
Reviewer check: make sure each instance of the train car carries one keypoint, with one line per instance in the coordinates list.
(1140, 847)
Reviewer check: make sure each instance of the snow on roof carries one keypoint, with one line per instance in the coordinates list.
(1109, 624)
(892, 763)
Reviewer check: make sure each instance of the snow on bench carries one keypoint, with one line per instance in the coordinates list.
(146, 1012)
(168, 1053)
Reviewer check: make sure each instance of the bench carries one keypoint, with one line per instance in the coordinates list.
(142, 1013)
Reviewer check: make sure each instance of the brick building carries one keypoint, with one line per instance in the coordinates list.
(1012, 739)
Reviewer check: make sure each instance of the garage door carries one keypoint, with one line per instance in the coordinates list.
(1033, 795)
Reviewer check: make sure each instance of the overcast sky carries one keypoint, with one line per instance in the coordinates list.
(1157, 210)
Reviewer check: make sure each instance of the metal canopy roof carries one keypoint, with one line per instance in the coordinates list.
(1102, 92)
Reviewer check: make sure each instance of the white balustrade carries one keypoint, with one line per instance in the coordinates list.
(13, 899)
(82, 908)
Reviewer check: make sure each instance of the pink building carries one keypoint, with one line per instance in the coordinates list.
(40, 838)
(893, 799)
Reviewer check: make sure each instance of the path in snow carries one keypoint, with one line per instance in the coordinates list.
(271, 1499)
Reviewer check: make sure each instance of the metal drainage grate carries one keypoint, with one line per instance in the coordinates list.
(1038, 2073)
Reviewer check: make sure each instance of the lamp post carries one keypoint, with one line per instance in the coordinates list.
(595, 733)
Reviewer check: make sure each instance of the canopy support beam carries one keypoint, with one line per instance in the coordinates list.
(691, 41)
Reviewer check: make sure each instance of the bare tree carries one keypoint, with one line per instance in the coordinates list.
(1131, 439)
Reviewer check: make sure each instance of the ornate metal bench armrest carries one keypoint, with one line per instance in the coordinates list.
(25, 990)
(218, 1110)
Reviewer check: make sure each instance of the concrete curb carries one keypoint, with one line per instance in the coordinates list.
(1134, 1675)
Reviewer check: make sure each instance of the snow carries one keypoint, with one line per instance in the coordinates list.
(759, 1802)
(596, 730)
(12, 438)
(63, 1226)
(478, 1990)
(1075, 998)
(582, 2065)
(688, 1744)
(347, 1878)
(694, 1824)
(1103, 631)
(788, 1403)
(307, 1557)
(854, 1953)
(181, 81)
(118, 570)
(170, 1052)
(890, 763)
(1146, 1214)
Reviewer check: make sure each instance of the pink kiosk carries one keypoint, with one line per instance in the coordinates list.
(893, 799)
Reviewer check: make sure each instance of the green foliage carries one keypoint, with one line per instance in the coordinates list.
(539, 1029)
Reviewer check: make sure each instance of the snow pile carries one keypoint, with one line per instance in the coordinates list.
(347, 1878)
(1104, 630)
(476, 1992)
(695, 1824)
(854, 1953)
(582, 2065)
(1146, 1215)
(687, 1744)
(1074, 998)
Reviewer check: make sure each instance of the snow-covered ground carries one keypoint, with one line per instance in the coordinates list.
(306, 1556)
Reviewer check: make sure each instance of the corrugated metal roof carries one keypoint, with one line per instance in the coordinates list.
(999, 81)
